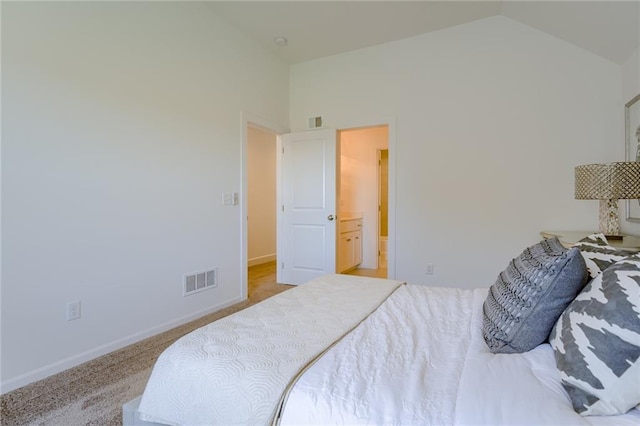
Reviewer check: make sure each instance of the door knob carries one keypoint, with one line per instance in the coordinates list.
(330, 217)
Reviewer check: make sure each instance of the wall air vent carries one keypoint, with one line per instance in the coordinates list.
(196, 282)
(315, 122)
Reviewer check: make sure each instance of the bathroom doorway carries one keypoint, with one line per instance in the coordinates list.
(363, 197)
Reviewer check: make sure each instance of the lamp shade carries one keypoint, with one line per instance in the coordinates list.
(612, 181)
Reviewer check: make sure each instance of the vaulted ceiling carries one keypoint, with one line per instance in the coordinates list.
(316, 29)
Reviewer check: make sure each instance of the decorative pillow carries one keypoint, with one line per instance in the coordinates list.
(598, 254)
(528, 297)
(598, 239)
(596, 342)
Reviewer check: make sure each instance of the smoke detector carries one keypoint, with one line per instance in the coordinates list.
(281, 41)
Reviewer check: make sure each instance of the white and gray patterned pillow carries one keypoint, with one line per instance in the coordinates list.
(598, 239)
(598, 254)
(596, 342)
(529, 295)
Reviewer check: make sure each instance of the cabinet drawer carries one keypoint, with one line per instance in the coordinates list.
(350, 225)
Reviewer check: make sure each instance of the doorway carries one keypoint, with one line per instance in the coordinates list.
(364, 195)
(261, 204)
(261, 196)
(258, 135)
(387, 129)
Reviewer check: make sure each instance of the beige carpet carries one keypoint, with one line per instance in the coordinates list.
(93, 393)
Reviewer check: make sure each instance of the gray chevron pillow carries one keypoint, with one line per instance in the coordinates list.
(598, 254)
(529, 295)
(596, 342)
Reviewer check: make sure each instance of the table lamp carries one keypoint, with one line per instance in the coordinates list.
(608, 183)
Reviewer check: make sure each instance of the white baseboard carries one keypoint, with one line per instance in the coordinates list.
(261, 259)
(74, 361)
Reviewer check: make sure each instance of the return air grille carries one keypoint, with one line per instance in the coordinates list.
(199, 281)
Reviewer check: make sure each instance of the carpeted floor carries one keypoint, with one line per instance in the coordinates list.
(93, 393)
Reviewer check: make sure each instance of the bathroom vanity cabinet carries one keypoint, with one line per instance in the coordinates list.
(349, 243)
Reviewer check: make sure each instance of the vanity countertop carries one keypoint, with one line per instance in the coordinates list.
(350, 215)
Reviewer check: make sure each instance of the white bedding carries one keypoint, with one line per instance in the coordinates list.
(401, 366)
(518, 389)
(234, 370)
(420, 359)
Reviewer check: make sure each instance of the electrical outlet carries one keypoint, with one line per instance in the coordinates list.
(429, 268)
(73, 310)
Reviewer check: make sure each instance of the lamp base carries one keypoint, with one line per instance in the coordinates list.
(609, 221)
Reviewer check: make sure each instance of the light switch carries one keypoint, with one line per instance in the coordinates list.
(230, 199)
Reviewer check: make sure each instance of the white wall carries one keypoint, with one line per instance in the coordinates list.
(261, 171)
(491, 119)
(359, 183)
(121, 130)
(630, 89)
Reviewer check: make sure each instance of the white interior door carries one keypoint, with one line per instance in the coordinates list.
(307, 217)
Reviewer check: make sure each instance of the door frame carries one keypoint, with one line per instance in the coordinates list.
(379, 227)
(248, 119)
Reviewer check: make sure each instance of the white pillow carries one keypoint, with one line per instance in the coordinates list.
(596, 342)
(598, 254)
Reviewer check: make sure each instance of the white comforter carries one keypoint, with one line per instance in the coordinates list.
(518, 389)
(420, 359)
(401, 366)
(235, 370)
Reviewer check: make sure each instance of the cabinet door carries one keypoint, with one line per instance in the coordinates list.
(345, 250)
(357, 248)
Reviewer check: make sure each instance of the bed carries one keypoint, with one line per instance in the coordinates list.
(354, 350)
